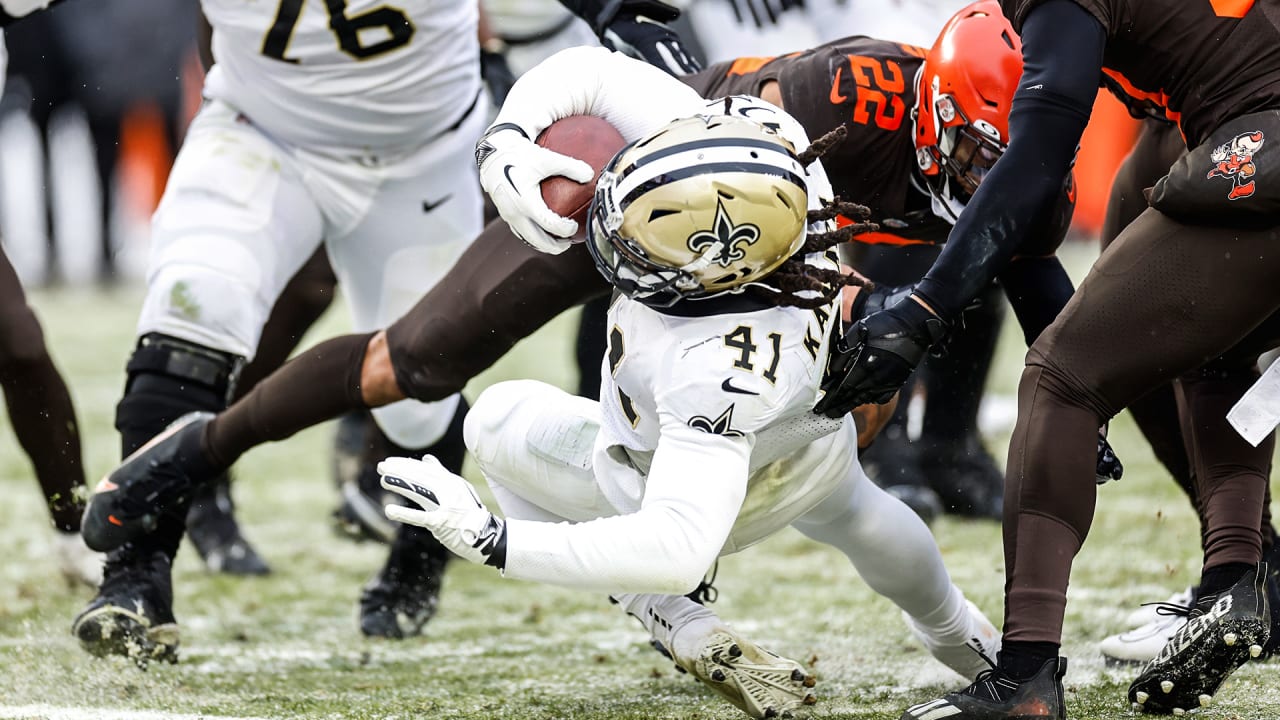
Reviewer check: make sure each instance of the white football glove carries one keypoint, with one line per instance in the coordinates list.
(511, 169)
(451, 510)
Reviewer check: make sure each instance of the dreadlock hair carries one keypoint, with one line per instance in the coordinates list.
(796, 283)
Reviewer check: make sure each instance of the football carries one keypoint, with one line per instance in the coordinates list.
(590, 139)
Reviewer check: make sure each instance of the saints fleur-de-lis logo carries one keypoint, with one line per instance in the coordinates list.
(719, 426)
(725, 239)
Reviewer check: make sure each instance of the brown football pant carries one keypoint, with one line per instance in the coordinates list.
(1163, 300)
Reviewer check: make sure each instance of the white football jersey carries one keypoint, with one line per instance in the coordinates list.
(738, 374)
(347, 75)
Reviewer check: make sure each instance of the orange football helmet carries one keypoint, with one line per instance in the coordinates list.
(964, 91)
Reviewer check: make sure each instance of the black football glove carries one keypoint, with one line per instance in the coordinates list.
(876, 356)
(496, 74)
(647, 38)
(1109, 466)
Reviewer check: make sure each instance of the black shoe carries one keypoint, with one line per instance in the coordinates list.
(996, 696)
(128, 502)
(212, 527)
(359, 515)
(403, 596)
(132, 614)
(965, 477)
(1223, 631)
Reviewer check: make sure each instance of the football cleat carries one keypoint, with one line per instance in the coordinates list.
(79, 564)
(404, 594)
(1143, 643)
(1272, 557)
(756, 681)
(212, 527)
(1222, 632)
(996, 696)
(129, 501)
(132, 614)
(969, 657)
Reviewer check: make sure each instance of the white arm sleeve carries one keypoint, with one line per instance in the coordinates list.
(635, 97)
(693, 493)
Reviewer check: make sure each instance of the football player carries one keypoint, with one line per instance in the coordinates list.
(43, 417)
(713, 228)
(1192, 276)
(349, 127)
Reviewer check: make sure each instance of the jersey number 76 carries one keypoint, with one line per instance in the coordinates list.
(398, 31)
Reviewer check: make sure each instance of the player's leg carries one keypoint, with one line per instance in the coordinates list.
(234, 225)
(405, 232)
(955, 461)
(892, 550)
(1177, 282)
(44, 421)
(211, 523)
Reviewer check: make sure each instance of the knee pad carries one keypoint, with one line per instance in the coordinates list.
(167, 378)
(214, 306)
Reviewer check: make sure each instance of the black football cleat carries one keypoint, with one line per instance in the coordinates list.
(996, 696)
(404, 594)
(213, 529)
(128, 502)
(132, 615)
(1223, 631)
(1272, 648)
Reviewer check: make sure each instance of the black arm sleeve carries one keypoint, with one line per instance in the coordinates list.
(600, 13)
(1062, 48)
(1038, 288)
(6, 19)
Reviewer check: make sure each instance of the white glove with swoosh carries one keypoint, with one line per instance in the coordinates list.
(511, 169)
(450, 509)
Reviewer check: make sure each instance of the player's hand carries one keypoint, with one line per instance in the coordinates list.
(647, 37)
(450, 509)
(1109, 466)
(876, 356)
(511, 169)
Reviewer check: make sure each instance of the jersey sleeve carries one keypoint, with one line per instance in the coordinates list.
(635, 97)
(1017, 11)
(693, 493)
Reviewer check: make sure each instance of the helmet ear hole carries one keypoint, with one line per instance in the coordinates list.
(658, 214)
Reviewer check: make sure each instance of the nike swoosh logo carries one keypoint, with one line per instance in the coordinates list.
(428, 206)
(506, 172)
(728, 387)
(837, 97)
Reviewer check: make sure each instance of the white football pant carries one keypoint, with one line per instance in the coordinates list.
(241, 213)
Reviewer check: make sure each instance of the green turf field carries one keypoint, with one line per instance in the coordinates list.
(288, 646)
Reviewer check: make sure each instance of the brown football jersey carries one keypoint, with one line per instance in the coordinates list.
(869, 86)
(1196, 62)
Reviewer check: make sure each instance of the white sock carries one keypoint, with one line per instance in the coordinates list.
(680, 624)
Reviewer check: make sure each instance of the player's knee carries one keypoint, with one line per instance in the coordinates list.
(492, 415)
(208, 306)
(167, 378)
(378, 384)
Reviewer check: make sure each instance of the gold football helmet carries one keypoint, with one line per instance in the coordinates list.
(703, 206)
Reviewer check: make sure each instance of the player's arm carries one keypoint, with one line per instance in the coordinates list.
(693, 492)
(638, 28)
(634, 97)
(1062, 58)
(13, 10)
